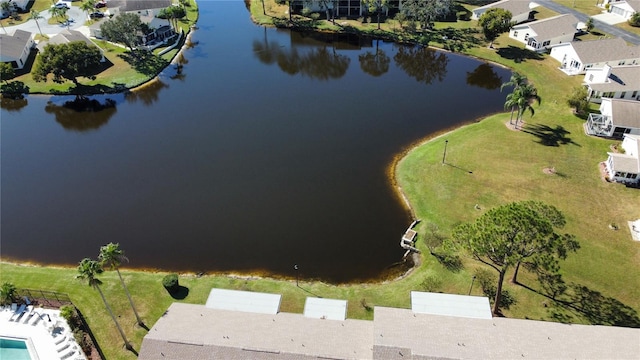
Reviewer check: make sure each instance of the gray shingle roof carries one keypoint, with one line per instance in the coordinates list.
(64, 37)
(12, 46)
(188, 331)
(622, 78)
(625, 112)
(138, 5)
(515, 7)
(595, 51)
(554, 26)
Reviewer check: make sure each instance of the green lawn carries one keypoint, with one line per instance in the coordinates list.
(506, 166)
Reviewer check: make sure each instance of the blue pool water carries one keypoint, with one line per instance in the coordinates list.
(13, 349)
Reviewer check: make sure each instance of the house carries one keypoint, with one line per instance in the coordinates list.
(15, 49)
(444, 326)
(543, 34)
(161, 31)
(619, 82)
(578, 56)
(520, 10)
(625, 167)
(141, 7)
(617, 117)
(624, 9)
(67, 36)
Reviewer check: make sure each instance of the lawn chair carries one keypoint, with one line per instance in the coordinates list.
(18, 312)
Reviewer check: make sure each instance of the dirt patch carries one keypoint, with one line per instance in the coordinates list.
(511, 125)
(549, 170)
(603, 171)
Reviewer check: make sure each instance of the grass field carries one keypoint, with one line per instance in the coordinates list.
(506, 166)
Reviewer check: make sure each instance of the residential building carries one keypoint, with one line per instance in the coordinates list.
(67, 36)
(625, 9)
(438, 326)
(619, 82)
(520, 10)
(625, 167)
(15, 49)
(578, 56)
(142, 7)
(617, 117)
(543, 34)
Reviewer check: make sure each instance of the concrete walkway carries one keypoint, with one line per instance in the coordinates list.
(615, 31)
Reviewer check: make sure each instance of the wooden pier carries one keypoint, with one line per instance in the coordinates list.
(409, 238)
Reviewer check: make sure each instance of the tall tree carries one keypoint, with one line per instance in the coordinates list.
(123, 29)
(425, 12)
(55, 11)
(579, 99)
(112, 256)
(513, 100)
(68, 61)
(495, 22)
(376, 6)
(527, 95)
(35, 16)
(511, 234)
(89, 270)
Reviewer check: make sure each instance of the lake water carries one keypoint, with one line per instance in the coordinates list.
(269, 150)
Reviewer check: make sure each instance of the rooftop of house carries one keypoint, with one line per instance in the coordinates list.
(622, 78)
(189, 331)
(595, 51)
(12, 46)
(515, 7)
(138, 5)
(552, 27)
(625, 112)
(64, 37)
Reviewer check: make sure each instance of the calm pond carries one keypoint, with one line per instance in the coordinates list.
(269, 150)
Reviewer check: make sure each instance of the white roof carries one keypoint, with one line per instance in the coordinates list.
(331, 309)
(450, 305)
(245, 301)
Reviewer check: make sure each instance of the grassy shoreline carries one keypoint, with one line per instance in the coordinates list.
(506, 166)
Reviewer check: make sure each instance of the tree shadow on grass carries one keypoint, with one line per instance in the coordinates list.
(549, 136)
(451, 262)
(518, 54)
(145, 62)
(181, 293)
(589, 305)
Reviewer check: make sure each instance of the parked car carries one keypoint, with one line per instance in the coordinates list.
(96, 15)
(61, 5)
(101, 4)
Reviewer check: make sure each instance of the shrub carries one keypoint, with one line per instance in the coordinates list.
(635, 19)
(431, 283)
(7, 293)
(306, 12)
(69, 313)
(170, 282)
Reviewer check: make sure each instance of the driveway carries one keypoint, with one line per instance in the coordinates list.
(609, 18)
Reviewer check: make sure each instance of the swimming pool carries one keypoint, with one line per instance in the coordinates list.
(14, 349)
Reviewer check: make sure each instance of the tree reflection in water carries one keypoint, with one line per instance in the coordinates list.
(148, 94)
(375, 64)
(13, 104)
(484, 77)
(82, 114)
(421, 63)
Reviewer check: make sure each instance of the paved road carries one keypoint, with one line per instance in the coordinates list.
(77, 16)
(615, 31)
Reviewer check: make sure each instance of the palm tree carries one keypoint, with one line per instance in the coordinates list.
(517, 80)
(527, 95)
(88, 270)
(35, 16)
(55, 11)
(88, 5)
(112, 256)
